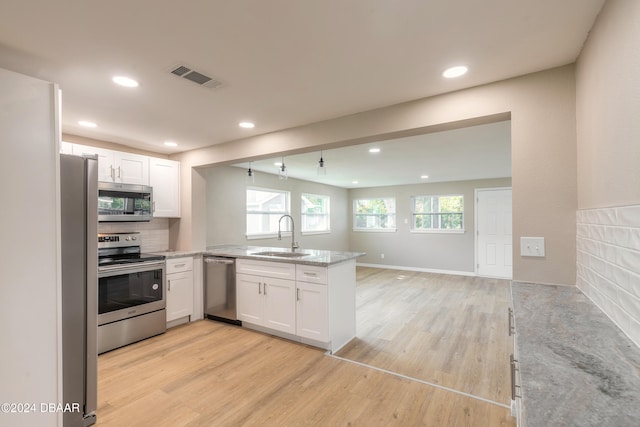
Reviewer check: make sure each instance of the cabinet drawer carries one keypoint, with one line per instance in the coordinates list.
(177, 265)
(281, 270)
(311, 274)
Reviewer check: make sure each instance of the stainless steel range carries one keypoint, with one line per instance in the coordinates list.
(131, 291)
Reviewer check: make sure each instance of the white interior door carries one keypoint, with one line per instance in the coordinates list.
(494, 233)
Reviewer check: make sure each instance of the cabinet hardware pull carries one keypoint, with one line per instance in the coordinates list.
(264, 288)
(119, 172)
(513, 377)
(511, 326)
(297, 294)
(169, 284)
(112, 172)
(259, 290)
(180, 265)
(306, 273)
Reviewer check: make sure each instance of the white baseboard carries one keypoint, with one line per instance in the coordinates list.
(423, 270)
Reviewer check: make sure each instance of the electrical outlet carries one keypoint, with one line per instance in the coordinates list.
(532, 246)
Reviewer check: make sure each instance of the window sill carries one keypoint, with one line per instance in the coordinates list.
(311, 233)
(375, 230)
(438, 231)
(261, 236)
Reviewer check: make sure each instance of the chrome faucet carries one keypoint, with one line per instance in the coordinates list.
(294, 244)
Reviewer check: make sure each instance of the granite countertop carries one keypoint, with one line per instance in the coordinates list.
(577, 367)
(177, 254)
(316, 257)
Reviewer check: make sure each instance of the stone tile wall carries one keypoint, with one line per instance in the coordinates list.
(608, 263)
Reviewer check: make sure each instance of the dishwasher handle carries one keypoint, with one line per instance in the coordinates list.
(219, 261)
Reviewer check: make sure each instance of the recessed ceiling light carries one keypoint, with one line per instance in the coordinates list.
(170, 144)
(354, 182)
(277, 164)
(456, 71)
(424, 176)
(125, 81)
(374, 150)
(246, 125)
(87, 124)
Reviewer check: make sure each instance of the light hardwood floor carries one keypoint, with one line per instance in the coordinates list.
(212, 374)
(444, 329)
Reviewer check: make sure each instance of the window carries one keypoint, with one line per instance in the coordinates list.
(264, 209)
(438, 213)
(374, 214)
(315, 213)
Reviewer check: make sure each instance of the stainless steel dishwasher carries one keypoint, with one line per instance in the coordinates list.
(220, 289)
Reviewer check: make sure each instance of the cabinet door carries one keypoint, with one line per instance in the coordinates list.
(164, 177)
(66, 147)
(179, 295)
(312, 311)
(249, 298)
(279, 304)
(106, 166)
(131, 168)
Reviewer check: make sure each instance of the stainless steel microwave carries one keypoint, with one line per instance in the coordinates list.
(124, 202)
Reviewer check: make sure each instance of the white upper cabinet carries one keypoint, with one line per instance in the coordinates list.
(164, 177)
(131, 168)
(128, 168)
(117, 166)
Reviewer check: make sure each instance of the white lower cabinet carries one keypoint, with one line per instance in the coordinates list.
(179, 288)
(312, 311)
(266, 301)
(307, 303)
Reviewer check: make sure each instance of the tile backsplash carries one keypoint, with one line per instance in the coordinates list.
(608, 263)
(154, 234)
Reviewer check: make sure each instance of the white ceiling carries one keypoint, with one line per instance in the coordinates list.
(477, 152)
(282, 63)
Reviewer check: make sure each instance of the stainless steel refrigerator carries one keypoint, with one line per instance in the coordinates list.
(79, 232)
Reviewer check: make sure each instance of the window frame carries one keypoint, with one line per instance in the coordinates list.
(414, 215)
(377, 229)
(270, 234)
(327, 214)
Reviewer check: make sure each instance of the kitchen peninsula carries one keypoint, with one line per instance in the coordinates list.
(304, 295)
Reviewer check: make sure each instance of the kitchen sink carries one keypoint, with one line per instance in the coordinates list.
(281, 254)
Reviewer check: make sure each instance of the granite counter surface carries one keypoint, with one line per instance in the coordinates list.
(321, 258)
(577, 367)
(177, 254)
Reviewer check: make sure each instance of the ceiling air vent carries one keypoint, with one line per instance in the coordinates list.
(200, 79)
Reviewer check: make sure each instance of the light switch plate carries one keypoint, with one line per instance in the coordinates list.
(532, 246)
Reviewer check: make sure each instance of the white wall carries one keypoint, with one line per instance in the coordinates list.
(30, 365)
(543, 134)
(608, 168)
(226, 204)
(446, 252)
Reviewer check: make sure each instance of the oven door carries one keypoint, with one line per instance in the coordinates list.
(129, 291)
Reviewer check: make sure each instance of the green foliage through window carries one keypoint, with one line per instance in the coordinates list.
(438, 212)
(374, 214)
(315, 213)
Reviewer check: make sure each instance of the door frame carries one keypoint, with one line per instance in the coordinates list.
(475, 223)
